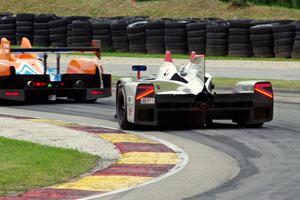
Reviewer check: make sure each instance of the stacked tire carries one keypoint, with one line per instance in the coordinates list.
(8, 29)
(284, 35)
(239, 44)
(216, 39)
(58, 32)
(136, 37)
(41, 29)
(119, 36)
(155, 31)
(101, 31)
(69, 20)
(261, 37)
(196, 37)
(296, 46)
(81, 33)
(175, 37)
(24, 28)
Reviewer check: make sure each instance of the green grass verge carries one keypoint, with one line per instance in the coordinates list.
(185, 56)
(25, 165)
(230, 82)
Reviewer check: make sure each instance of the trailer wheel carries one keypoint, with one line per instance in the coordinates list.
(121, 109)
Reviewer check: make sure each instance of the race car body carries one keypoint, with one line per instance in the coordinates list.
(185, 96)
(25, 74)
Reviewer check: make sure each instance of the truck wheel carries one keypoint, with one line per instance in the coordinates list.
(121, 109)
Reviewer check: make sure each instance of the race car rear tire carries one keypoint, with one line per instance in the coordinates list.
(121, 109)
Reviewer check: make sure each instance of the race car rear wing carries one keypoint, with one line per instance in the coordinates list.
(58, 50)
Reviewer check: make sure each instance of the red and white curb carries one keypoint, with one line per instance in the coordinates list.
(144, 160)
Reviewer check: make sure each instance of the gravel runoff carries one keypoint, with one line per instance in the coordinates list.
(51, 135)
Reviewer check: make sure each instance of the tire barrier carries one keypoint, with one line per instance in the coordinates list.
(155, 33)
(239, 39)
(139, 34)
(261, 37)
(136, 37)
(217, 39)
(196, 36)
(24, 24)
(296, 45)
(176, 37)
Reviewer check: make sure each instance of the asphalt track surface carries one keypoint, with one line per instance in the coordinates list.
(269, 157)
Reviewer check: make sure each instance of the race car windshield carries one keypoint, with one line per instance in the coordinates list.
(198, 67)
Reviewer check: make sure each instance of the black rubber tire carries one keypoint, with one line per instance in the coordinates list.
(102, 38)
(57, 23)
(175, 32)
(288, 41)
(79, 24)
(283, 35)
(284, 28)
(263, 55)
(238, 31)
(237, 39)
(137, 42)
(196, 26)
(262, 29)
(119, 39)
(118, 26)
(40, 38)
(174, 39)
(7, 26)
(25, 17)
(9, 20)
(216, 42)
(101, 32)
(44, 18)
(181, 46)
(136, 29)
(262, 50)
(155, 39)
(24, 29)
(57, 37)
(40, 25)
(239, 47)
(40, 44)
(219, 28)
(77, 44)
(70, 19)
(261, 37)
(175, 25)
(266, 43)
(24, 23)
(121, 109)
(81, 32)
(100, 25)
(196, 34)
(154, 46)
(155, 25)
(242, 54)
(59, 30)
(155, 32)
(239, 24)
(136, 36)
(81, 39)
(283, 55)
(41, 32)
(283, 48)
(296, 55)
(121, 45)
(119, 33)
(196, 40)
(210, 35)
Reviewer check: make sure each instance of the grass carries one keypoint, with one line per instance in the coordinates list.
(185, 56)
(230, 82)
(24, 165)
(154, 9)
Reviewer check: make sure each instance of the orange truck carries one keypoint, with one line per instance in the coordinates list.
(26, 76)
